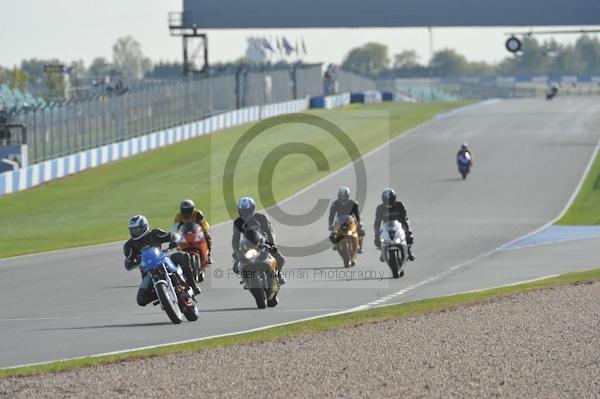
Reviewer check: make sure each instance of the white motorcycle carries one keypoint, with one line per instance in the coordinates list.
(394, 249)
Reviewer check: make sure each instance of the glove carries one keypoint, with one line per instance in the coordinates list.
(130, 265)
(377, 243)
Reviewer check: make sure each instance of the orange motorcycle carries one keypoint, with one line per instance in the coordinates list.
(194, 244)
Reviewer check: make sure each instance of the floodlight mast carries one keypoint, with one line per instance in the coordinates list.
(179, 26)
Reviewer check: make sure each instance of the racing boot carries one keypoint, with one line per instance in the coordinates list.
(280, 277)
(190, 280)
(411, 256)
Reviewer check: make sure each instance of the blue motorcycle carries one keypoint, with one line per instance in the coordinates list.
(174, 294)
(464, 164)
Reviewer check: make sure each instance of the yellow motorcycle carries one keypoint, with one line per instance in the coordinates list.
(345, 239)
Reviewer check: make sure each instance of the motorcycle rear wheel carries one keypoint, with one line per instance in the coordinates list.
(169, 305)
(192, 313)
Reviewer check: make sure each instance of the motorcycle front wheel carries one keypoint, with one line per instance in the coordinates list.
(393, 262)
(170, 304)
(256, 288)
(346, 252)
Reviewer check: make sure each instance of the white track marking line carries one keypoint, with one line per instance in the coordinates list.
(352, 310)
(510, 284)
(567, 206)
(155, 314)
(479, 290)
(501, 248)
(356, 308)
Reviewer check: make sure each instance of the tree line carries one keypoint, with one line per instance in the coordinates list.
(536, 58)
(128, 62)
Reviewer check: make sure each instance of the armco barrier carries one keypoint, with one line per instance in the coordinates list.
(367, 97)
(330, 102)
(337, 101)
(34, 175)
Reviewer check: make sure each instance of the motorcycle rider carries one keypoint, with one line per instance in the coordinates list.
(250, 219)
(188, 213)
(464, 149)
(142, 236)
(390, 210)
(345, 206)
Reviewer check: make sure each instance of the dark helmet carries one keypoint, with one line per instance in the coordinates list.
(388, 197)
(246, 208)
(138, 227)
(187, 207)
(343, 194)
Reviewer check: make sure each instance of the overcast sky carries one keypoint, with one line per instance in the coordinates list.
(83, 29)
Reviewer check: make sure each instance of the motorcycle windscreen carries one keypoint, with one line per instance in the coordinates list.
(153, 257)
(393, 230)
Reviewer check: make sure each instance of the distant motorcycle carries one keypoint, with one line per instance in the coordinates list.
(345, 238)
(551, 93)
(258, 269)
(394, 249)
(174, 295)
(464, 164)
(194, 244)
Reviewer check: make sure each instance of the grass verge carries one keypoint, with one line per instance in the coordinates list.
(93, 207)
(314, 326)
(585, 210)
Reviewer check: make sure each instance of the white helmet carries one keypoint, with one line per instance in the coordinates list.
(246, 208)
(343, 194)
(138, 227)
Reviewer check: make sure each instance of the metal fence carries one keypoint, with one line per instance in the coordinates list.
(337, 81)
(349, 82)
(437, 89)
(61, 129)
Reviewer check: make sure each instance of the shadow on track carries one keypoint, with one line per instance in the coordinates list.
(226, 310)
(116, 287)
(446, 180)
(162, 323)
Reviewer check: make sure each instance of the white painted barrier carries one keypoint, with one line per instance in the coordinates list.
(36, 174)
